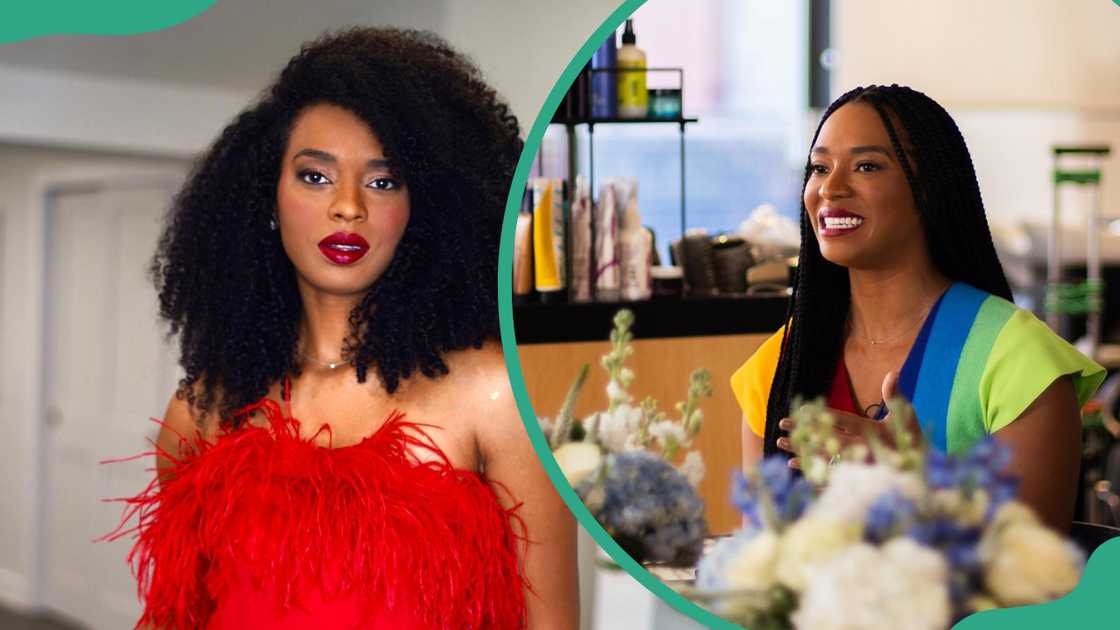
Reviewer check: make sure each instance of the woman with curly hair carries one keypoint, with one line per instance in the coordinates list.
(899, 292)
(332, 258)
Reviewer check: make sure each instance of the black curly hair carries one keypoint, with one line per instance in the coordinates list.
(226, 285)
(947, 197)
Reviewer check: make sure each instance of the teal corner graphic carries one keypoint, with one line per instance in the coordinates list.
(26, 20)
(1091, 603)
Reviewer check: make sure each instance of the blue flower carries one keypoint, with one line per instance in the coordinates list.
(712, 570)
(790, 494)
(890, 514)
(650, 508)
(960, 547)
(982, 467)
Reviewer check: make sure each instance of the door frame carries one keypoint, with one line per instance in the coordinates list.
(46, 189)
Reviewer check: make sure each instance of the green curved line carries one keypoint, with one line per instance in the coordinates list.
(27, 20)
(1092, 601)
(509, 342)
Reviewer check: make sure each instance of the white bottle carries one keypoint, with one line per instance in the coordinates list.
(635, 245)
(579, 234)
(606, 271)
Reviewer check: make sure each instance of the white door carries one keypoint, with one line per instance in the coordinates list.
(107, 371)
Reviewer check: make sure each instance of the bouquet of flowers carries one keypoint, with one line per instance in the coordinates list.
(620, 460)
(916, 539)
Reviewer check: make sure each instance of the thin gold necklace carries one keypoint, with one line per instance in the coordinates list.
(898, 335)
(327, 364)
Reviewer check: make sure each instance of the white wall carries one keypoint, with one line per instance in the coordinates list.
(24, 173)
(1018, 76)
(60, 108)
(520, 46)
(994, 53)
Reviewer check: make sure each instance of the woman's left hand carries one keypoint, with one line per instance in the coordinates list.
(851, 429)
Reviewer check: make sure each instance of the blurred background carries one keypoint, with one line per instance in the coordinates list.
(1018, 77)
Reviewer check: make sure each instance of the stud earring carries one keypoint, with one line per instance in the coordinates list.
(272, 224)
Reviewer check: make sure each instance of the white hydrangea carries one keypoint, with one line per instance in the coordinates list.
(626, 375)
(616, 431)
(546, 427)
(1024, 561)
(577, 460)
(711, 570)
(854, 486)
(693, 468)
(591, 427)
(615, 391)
(899, 585)
(752, 568)
(969, 512)
(812, 541)
(668, 432)
(632, 444)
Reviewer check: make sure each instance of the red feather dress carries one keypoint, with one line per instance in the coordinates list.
(265, 529)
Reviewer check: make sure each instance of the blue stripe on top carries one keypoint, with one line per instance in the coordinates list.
(908, 376)
(949, 329)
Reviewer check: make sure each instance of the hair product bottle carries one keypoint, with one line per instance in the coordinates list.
(604, 92)
(523, 258)
(606, 245)
(634, 245)
(548, 239)
(633, 97)
(579, 235)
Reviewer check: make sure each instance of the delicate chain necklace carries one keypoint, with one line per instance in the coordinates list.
(897, 336)
(326, 364)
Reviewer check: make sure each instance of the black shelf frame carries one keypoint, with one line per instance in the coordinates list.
(658, 318)
(590, 122)
(619, 121)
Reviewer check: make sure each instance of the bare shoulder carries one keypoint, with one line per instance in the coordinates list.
(477, 366)
(182, 421)
(476, 377)
(478, 382)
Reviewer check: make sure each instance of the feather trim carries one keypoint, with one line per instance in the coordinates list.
(369, 520)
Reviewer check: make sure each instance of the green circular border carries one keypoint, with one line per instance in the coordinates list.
(509, 341)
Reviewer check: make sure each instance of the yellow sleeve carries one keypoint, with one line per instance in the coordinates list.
(751, 382)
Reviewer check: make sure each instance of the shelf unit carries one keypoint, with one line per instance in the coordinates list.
(583, 83)
(653, 319)
(590, 123)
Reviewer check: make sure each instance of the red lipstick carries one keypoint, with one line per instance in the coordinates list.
(343, 248)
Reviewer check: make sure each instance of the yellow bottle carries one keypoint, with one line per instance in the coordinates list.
(633, 98)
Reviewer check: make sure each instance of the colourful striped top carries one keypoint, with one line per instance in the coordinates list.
(978, 362)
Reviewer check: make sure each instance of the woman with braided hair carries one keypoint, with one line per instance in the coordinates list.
(899, 291)
(344, 227)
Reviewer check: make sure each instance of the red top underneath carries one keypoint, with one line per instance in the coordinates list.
(840, 395)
